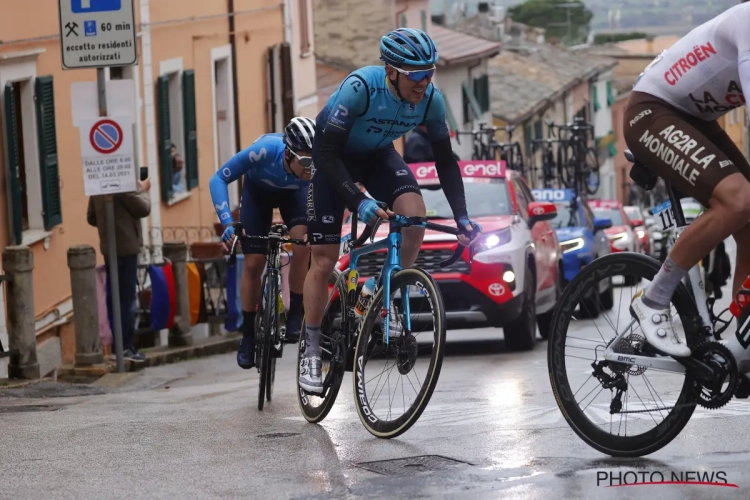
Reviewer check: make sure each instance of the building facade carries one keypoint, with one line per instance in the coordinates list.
(211, 77)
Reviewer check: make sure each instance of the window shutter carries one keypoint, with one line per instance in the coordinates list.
(403, 20)
(191, 134)
(610, 95)
(13, 162)
(595, 96)
(48, 163)
(471, 105)
(164, 137)
(424, 20)
(482, 92)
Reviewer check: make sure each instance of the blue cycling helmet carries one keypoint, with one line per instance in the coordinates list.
(408, 47)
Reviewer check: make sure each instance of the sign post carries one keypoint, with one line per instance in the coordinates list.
(101, 33)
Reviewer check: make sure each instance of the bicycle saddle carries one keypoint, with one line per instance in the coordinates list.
(640, 173)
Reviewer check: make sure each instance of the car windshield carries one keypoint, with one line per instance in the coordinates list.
(632, 213)
(613, 214)
(484, 197)
(566, 216)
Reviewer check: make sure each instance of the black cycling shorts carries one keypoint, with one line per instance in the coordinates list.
(691, 154)
(384, 174)
(256, 212)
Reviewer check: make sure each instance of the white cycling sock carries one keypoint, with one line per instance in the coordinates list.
(659, 294)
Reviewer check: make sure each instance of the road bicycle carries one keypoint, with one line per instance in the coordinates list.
(550, 164)
(510, 151)
(708, 378)
(365, 346)
(270, 321)
(578, 163)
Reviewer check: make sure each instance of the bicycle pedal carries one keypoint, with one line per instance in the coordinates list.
(277, 351)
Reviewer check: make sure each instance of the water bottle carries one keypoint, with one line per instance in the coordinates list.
(741, 299)
(364, 298)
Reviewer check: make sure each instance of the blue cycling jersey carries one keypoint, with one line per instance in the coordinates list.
(262, 163)
(366, 108)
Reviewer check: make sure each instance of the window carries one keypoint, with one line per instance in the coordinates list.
(304, 28)
(610, 94)
(423, 13)
(31, 157)
(177, 136)
(403, 21)
(482, 92)
(595, 96)
(523, 200)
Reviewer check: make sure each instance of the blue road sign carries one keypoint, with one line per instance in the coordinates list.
(89, 28)
(86, 6)
(106, 136)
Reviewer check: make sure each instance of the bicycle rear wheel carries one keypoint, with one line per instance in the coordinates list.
(619, 430)
(333, 344)
(591, 180)
(374, 360)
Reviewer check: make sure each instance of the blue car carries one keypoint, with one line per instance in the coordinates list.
(582, 239)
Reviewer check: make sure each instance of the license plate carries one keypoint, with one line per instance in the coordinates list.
(665, 215)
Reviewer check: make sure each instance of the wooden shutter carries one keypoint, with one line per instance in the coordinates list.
(48, 162)
(191, 133)
(12, 147)
(164, 137)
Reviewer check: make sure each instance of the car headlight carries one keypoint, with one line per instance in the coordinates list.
(571, 245)
(641, 233)
(620, 240)
(509, 276)
(494, 239)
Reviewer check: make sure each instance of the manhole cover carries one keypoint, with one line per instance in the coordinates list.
(279, 435)
(411, 465)
(28, 408)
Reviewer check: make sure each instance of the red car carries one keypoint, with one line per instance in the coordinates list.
(513, 281)
(621, 236)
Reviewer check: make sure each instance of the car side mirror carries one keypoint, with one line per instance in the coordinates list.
(540, 211)
(602, 224)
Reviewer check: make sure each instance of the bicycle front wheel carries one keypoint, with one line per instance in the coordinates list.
(267, 339)
(408, 365)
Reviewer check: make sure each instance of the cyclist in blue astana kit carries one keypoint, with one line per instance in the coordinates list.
(372, 107)
(277, 170)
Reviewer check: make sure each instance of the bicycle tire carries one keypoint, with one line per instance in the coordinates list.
(564, 152)
(315, 414)
(592, 168)
(388, 429)
(269, 317)
(628, 263)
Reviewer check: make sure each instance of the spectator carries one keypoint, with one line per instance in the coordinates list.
(177, 166)
(418, 148)
(129, 208)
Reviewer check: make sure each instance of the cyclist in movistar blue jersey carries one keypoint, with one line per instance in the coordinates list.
(372, 107)
(277, 170)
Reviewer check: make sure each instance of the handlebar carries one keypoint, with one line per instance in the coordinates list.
(404, 221)
(276, 235)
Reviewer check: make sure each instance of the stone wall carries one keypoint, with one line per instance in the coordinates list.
(347, 32)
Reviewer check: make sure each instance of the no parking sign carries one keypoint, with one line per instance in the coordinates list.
(107, 153)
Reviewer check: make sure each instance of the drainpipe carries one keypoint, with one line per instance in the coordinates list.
(398, 13)
(236, 100)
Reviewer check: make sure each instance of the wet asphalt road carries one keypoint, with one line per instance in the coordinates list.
(192, 430)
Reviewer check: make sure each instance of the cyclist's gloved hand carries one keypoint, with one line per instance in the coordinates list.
(472, 230)
(368, 209)
(228, 233)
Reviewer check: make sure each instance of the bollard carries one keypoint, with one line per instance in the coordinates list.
(18, 262)
(179, 334)
(82, 264)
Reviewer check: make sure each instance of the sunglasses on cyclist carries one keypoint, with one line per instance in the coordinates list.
(416, 75)
(305, 161)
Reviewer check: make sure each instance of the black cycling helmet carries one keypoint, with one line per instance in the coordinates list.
(299, 134)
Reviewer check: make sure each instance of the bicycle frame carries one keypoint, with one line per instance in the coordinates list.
(392, 265)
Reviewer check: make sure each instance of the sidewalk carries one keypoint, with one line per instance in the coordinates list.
(159, 356)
